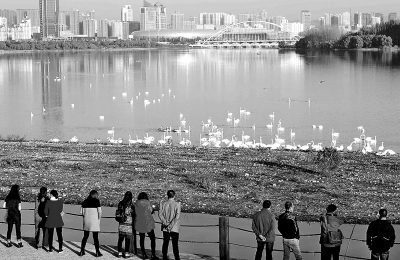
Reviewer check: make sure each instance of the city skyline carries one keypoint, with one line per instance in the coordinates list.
(317, 8)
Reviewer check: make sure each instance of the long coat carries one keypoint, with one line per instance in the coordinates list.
(91, 212)
(144, 221)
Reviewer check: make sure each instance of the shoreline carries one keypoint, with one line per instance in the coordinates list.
(225, 181)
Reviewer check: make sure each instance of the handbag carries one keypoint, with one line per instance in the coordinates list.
(120, 215)
(334, 237)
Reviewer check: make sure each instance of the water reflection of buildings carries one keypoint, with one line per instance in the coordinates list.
(52, 94)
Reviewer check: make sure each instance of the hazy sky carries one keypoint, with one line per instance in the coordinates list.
(111, 9)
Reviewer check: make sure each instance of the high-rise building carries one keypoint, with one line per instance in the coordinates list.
(102, 28)
(127, 13)
(48, 11)
(177, 21)
(334, 21)
(64, 21)
(3, 29)
(321, 22)
(294, 28)
(243, 18)
(153, 17)
(379, 15)
(305, 19)
(357, 20)
(392, 17)
(327, 19)
(89, 27)
(74, 21)
(263, 15)
(346, 19)
(11, 16)
(32, 14)
(23, 31)
(366, 19)
(194, 19)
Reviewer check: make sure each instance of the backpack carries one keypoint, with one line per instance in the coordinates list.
(120, 214)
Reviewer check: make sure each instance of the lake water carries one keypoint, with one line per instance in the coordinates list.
(346, 89)
(210, 234)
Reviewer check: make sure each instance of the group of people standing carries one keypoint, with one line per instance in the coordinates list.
(48, 215)
(380, 233)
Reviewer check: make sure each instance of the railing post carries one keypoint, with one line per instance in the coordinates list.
(224, 238)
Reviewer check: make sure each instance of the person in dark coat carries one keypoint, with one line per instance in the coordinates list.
(91, 212)
(40, 218)
(144, 223)
(287, 225)
(13, 205)
(330, 222)
(263, 226)
(125, 229)
(54, 212)
(380, 237)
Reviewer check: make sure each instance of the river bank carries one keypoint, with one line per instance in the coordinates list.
(224, 181)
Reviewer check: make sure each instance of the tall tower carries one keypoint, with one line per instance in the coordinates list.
(153, 17)
(305, 19)
(48, 12)
(127, 14)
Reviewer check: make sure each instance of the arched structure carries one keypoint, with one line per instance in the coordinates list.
(250, 34)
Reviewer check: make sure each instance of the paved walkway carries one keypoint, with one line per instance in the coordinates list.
(71, 250)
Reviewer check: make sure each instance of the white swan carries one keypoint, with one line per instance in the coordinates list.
(335, 135)
(110, 132)
(350, 147)
(386, 152)
(54, 140)
(269, 126)
(74, 139)
(131, 141)
(380, 148)
(101, 117)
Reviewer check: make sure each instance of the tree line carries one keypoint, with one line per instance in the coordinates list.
(75, 45)
(382, 36)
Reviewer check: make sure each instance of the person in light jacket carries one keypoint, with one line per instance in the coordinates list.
(125, 229)
(91, 212)
(54, 212)
(169, 214)
(40, 218)
(144, 223)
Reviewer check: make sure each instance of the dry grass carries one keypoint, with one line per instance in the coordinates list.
(218, 181)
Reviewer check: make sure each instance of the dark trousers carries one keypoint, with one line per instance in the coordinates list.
(328, 253)
(152, 237)
(17, 229)
(38, 236)
(59, 236)
(269, 247)
(127, 243)
(174, 236)
(95, 239)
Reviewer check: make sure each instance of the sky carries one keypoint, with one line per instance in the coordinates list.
(111, 9)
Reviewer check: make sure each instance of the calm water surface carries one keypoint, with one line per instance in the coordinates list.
(346, 89)
(210, 234)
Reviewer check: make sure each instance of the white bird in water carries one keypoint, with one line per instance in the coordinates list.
(350, 147)
(272, 116)
(335, 135)
(31, 114)
(111, 132)
(131, 141)
(74, 139)
(113, 98)
(320, 127)
(180, 116)
(43, 109)
(124, 94)
(72, 105)
(146, 93)
(101, 117)
(380, 148)
(146, 102)
(242, 111)
(230, 114)
(292, 134)
(131, 102)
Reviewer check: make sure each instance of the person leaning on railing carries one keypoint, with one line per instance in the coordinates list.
(13, 214)
(91, 212)
(40, 217)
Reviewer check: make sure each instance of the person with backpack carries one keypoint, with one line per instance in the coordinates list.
(380, 237)
(124, 215)
(13, 215)
(331, 235)
(40, 218)
(91, 212)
